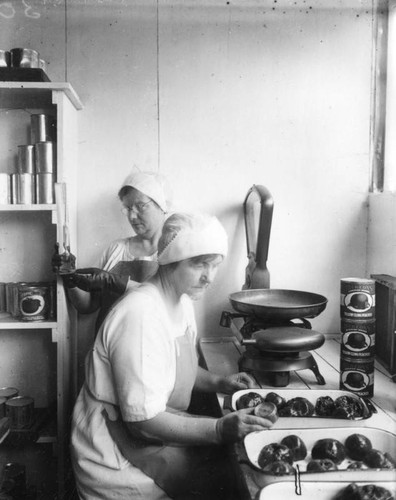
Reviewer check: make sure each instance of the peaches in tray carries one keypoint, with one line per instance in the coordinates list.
(343, 406)
(327, 454)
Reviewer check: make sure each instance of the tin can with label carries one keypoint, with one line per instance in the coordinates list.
(25, 163)
(8, 392)
(33, 302)
(357, 376)
(357, 299)
(45, 188)
(358, 339)
(25, 189)
(20, 411)
(3, 299)
(44, 157)
(5, 189)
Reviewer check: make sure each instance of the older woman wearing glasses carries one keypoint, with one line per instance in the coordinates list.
(132, 437)
(126, 261)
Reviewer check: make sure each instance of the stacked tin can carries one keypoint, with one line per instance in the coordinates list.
(357, 336)
(34, 179)
(32, 301)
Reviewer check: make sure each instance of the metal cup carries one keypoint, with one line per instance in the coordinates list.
(5, 58)
(25, 189)
(40, 128)
(45, 188)
(24, 58)
(44, 157)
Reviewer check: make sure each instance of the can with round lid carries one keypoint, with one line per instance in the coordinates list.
(44, 157)
(33, 302)
(25, 163)
(25, 189)
(20, 411)
(45, 188)
(357, 299)
(357, 376)
(8, 392)
(358, 339)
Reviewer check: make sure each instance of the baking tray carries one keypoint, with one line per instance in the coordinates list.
(316, 491)
(381, 440)
(310, 395)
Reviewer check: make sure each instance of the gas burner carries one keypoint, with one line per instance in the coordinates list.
(252, 324)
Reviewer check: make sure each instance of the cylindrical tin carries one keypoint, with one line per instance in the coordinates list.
(8, 392)
(3, 299)
(14, 188)
(25, 189)
(25, 163)
(40, 128)
(20, 411)
(357, 299)
(14, 479)
(5, 189)
(2, 407)
(45, 188)
(24, 58)
(10, 297)
(5, 58)
(357, 376)
(44, 157)
(33, 302)
(358, 339)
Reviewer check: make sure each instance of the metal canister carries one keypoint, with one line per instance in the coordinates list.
(40, 128)
(25, 163)
(358, 339)
(5, 189)
(3, 299)
(14, 479)
(357, 299)
(33, 302)
(357, 376)
(24, 58)
(5, 58)
(44, 157)
(8, 392)
(25, 189)
(45, 188)
(20, 411)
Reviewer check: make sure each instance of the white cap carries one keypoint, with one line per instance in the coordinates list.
(191, 235)
(151, 184)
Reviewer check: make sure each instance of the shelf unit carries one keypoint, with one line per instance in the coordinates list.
(61, 101)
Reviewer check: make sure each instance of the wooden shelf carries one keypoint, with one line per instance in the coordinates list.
(28, 208)
(9, 323)
(34, 94)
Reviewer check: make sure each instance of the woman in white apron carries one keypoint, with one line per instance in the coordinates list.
(126, 261)
(131, 435)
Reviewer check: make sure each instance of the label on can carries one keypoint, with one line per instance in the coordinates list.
(357, 299)
(357, 376)
(33, 303)
(358, 339)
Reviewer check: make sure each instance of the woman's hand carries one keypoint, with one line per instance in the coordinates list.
(237, 382)
(234, 426)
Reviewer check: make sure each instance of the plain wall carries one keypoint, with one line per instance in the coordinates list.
(219, 96)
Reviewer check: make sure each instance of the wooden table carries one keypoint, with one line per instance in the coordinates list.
(221, 355)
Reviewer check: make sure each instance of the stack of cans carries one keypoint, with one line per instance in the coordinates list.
(34, 179)
(357, 336)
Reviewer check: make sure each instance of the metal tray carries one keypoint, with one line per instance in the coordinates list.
(316, 491)
(311, 396)
(382, 440)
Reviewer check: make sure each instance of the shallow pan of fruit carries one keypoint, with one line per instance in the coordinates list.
(334, 490)
(323, 454)
(307, 403)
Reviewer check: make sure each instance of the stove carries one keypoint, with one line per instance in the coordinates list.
(271, 324)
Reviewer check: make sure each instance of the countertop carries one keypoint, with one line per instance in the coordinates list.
(221, 355)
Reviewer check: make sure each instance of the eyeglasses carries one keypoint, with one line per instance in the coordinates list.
(138, 209)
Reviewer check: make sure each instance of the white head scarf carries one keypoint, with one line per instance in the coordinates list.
(189, 235)
(151, 184)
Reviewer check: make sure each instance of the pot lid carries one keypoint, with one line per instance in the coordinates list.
(286, 339)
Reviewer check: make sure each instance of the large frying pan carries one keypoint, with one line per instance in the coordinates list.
(278, 305)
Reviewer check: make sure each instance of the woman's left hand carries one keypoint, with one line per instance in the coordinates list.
(237, 382)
